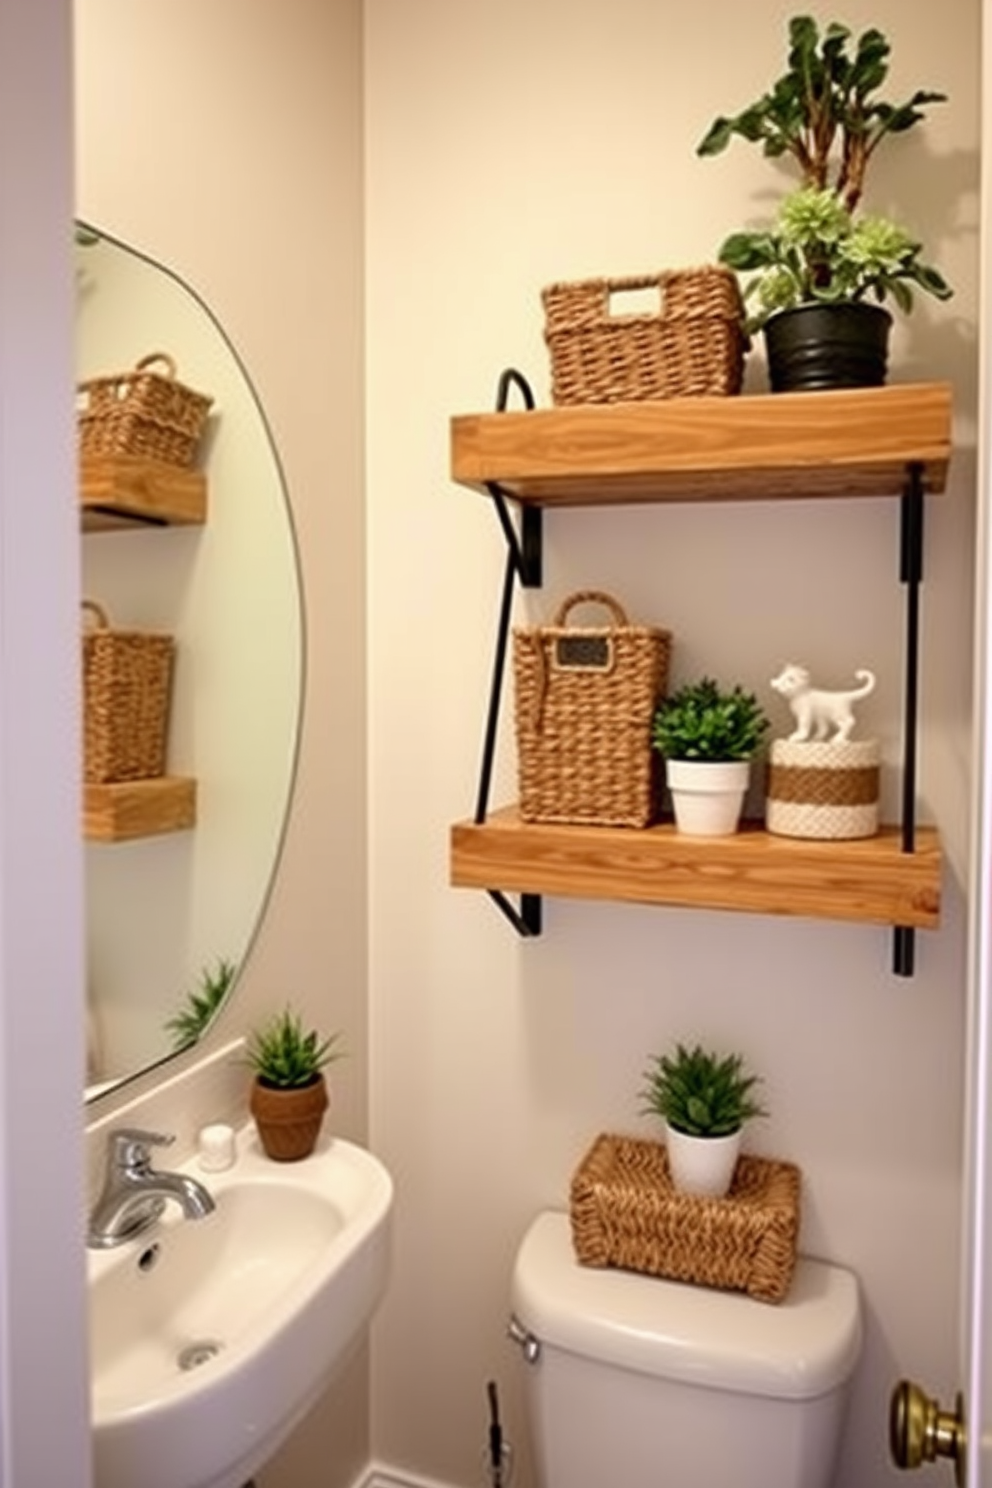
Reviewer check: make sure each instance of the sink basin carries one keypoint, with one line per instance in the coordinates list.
(211, 1338)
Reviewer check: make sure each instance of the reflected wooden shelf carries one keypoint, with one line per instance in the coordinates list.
(855, 442)
(128, 491)
(129, 809)
(869, 879)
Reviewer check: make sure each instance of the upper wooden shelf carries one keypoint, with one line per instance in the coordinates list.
(128, 491)
(855, 442)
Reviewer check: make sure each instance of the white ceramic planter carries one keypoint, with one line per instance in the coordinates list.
(707, 795)
(702, 1166)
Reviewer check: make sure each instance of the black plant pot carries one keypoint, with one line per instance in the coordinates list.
(827, 346)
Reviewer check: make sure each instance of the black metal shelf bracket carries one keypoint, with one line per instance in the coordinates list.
(910, 574)
(525, 565)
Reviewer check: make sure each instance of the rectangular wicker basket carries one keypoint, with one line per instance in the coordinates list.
(625, 1212)
(692, 346)
(585, 700)
(127, 684)
(142, 412)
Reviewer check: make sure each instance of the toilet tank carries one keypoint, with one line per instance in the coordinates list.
(648, 1383)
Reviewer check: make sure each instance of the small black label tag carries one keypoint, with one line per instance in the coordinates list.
(586, 653)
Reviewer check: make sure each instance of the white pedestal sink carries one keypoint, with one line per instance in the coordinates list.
(210, 1339)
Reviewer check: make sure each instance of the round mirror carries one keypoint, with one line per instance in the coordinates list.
(174, 894)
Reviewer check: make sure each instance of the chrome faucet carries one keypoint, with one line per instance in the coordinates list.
(134, 1193)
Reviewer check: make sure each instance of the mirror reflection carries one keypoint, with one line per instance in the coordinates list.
(171, 914)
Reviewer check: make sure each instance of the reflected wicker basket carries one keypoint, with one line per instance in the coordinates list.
(144, 412)
(625, 1212)
(127, 683)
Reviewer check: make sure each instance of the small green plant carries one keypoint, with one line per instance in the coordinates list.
(702, 721)
(701, 1093)
(825, 114)
(198, 1010)
(285, 1056)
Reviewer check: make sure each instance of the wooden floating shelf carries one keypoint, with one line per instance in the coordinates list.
(870, 879)
(854, 442)
(130, 809)
(128, 491)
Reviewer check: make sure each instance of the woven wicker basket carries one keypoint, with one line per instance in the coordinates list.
(693, 346)
(625, 1212)
(825, 790)
(127, 680)
(585, 701)
(142, 412)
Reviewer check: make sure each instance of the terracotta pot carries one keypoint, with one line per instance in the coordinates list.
(289, 1121)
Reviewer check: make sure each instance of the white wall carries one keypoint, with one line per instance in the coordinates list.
(509, 146)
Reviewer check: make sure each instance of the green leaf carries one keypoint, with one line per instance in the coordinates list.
(717, 137)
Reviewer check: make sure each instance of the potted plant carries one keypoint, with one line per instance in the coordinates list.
(200, 1005)
(707, 735)
(704, 1099)
(289, 1092)
(822, 271)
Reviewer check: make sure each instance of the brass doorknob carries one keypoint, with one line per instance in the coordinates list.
(919, 1431)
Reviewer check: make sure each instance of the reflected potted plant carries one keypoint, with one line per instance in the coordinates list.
(289, 1093)
(198, 1010)
(704, 1100)
(708, 735)
(821, 274)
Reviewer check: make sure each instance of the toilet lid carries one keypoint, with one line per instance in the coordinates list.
(797, 1349)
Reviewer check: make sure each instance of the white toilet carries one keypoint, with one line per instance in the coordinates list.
(638, 1382)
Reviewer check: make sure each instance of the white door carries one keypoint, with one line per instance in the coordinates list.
(961, 1430)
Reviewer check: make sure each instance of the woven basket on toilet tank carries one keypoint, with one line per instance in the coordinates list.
(626, 1212)
(823, 790)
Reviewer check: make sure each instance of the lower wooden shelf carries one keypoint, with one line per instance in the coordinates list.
(138, 808)
(870, 879)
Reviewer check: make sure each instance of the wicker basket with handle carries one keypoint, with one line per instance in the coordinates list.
(127, 683)
(625, 1212)
(693, 345)
(145, 411)
(585, 702)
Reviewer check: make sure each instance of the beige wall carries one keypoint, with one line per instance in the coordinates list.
(509, 146)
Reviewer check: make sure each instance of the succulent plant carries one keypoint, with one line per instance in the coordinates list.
(699, 1092)
(285, 1056)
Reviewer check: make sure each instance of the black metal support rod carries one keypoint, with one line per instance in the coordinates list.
(495, 691)
(527, 920)
(903, 950)
(910, 574)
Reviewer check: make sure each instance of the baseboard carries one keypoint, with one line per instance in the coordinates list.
(377, 1475)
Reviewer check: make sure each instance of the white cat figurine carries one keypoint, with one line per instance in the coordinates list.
(816, 711)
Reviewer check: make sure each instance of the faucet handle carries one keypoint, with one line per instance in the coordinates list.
(129, 1147)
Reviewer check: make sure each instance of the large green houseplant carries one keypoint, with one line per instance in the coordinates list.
(707, 735)
(704, 1100)
(289, 1092)
(823, 268)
